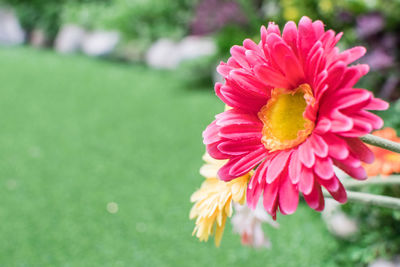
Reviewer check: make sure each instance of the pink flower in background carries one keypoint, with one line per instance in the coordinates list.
(294, 115)
(248, 223)
(369, 24)
(212, 15)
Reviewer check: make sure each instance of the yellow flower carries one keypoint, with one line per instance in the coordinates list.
(326, 6)
(291, 13)
(213, 201)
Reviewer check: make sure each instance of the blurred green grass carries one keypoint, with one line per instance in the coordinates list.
(78, 133)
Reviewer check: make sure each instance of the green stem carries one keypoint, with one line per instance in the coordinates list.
(378, 180)
(381, 142)
(371, 199)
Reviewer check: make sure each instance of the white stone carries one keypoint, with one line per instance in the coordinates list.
(69, 38)
(192, 47)
(11, 32)
(167, 54)
(338, 222)
(100, 43)
(163, 54)
(382, 263)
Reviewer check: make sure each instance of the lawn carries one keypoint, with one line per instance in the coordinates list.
(78, 133)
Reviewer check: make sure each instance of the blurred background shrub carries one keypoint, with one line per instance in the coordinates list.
(374, 24)
(44, 14)
(145, 20)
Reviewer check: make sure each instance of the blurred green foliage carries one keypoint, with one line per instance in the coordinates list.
(379, 231)
(379, 228)
(145, 20)
(391, 116)
(43, 14)
(198, 71)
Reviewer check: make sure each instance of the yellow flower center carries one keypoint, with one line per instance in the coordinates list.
(285, 125)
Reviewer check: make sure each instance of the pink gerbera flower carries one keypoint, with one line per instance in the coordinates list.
(294, 115)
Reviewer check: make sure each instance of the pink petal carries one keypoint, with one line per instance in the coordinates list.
(337, 146)
(320, 86)
(306, 181)
(377, 104)
(249, 84)
(281, 53)
(264, 34)
(241, 131)
(319, 145)
(270, 76)
(306, 36)
(352, 75)
(331, 184)
(294, 167)
(255, 58)
(311, 112)
(210, 134)
(239, 147)
(214, 152)
(340, 194)
(277, 165)
(293, 70)
(340, 122)
(270, 197)
(262, 173)
(351, 98)
(338, 37)
(273, 28)
(237, 99)
(288, 196)
(360, 128)
(289, 35)
(323, 126)
(315, 199)
(251, 45)
(315, 63)
(224, 69)
(237, 117)
(306, 155)
(232, 62)
(255, 187)
(324, 168)
(355, 172)
(328, 39)
(352, 54)
(352, 161)
(318, 27)
(224, 171)
(335, 74)
(244, 164)
(238, 53)
(357, 147)
(375, 121)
